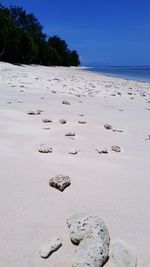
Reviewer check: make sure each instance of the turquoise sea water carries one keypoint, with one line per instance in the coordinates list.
(131, 73)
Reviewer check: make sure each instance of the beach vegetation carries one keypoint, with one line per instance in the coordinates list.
(22, 40)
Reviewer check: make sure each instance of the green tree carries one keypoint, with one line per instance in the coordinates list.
(28, 23)
(8, 31)
(61, 47)
(22, 40)
(74, 58)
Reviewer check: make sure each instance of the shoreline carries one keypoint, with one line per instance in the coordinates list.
(124, 77)
(85, 69)
(114, 186)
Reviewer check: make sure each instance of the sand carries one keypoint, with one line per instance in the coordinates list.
(114, 186)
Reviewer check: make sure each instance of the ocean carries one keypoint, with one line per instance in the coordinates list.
(130, 73)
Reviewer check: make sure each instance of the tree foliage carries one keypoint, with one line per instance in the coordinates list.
(22, 41)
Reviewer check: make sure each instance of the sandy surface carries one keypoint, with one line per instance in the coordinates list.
(114, 186)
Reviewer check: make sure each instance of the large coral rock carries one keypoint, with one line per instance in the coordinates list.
(92, 237)
(91, 252)
(122, 256)
(84, 226)
(60, 182)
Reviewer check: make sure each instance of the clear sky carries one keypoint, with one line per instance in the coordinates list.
(104, 32)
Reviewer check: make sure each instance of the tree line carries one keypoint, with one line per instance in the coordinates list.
(22, 40)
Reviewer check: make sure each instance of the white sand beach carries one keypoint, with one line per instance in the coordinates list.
(115, 186)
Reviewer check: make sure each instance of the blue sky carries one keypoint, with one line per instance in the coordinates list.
(104, 32)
